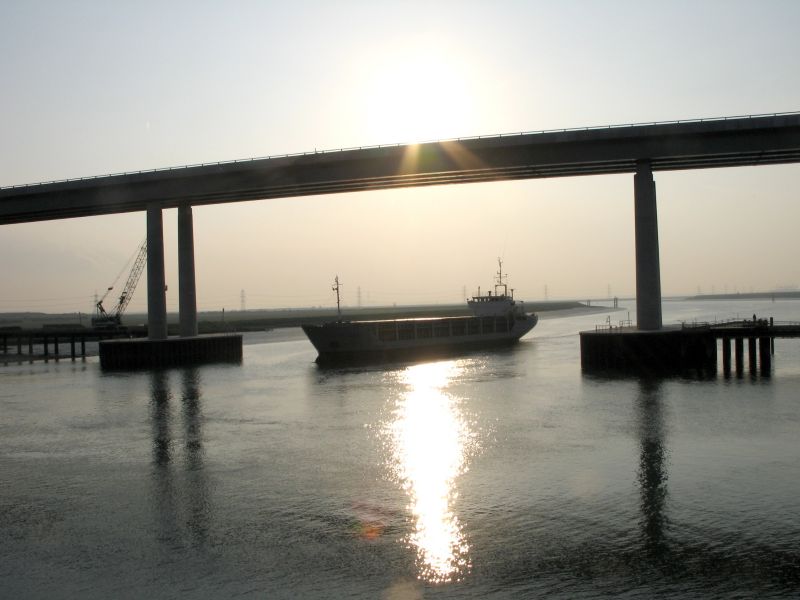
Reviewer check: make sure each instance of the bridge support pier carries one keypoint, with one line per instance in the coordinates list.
(159, 350)
(186, 282)
(156, 280)
(648, 270)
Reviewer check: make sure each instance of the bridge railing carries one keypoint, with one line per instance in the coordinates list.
(731, 323)
(394, 145)
(715, 323)
(738, 322)
(622, 325)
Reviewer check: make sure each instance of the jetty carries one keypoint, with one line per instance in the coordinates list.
(688, 347)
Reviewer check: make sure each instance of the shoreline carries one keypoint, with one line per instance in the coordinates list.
(260, 319)
(276, 326)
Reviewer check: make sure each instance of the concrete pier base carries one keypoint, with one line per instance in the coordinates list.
(666, 351)
(170, 352)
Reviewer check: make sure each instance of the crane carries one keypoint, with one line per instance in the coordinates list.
(112, 320)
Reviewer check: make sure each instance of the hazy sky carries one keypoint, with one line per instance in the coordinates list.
(92, 88)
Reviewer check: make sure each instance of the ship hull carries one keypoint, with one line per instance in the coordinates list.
(413, 339)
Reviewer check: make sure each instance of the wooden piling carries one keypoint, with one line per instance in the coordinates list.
(726, 356)
(772, 339)
(765, 356)
(739, 350)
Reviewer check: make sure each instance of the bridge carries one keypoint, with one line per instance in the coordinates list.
(640, 149)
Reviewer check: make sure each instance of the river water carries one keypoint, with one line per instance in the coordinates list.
(507, 475)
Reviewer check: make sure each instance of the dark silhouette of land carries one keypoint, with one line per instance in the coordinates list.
(261, 319)
(785, 295)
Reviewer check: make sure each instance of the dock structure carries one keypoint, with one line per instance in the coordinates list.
(686, 348)
(118, 349)
(26, 345)
(760, 335)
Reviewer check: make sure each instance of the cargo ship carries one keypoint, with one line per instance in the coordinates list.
(497, 320)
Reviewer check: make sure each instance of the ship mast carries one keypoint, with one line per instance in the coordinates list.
(500, 278)
(335, 288)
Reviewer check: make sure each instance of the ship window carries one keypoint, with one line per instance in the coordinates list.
(459, 327)
(405, 331)
(424, 330)
(473, 326)
(488, 324)
(387, 333)
(441, 330)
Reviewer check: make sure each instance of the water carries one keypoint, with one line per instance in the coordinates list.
(503, 475)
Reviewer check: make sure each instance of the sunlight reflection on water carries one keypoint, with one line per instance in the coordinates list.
(430, 441)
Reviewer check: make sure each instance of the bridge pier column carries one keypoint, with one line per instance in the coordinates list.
(156, 280)
(186, 282)
(648, 270)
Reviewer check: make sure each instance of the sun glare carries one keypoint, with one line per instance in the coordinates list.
(417, 93)
(430, 438)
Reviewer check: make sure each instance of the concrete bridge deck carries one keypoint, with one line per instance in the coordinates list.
(706, 143)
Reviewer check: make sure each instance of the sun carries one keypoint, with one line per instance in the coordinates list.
(418, 92)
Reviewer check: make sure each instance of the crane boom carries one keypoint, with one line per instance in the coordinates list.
(133, 280)
(104, 319)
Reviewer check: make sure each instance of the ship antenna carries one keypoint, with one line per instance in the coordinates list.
(500, 277)
(335, 288)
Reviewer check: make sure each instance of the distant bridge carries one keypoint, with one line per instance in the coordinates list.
(640, 149)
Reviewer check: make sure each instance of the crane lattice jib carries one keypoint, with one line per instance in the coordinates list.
(133, 279)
